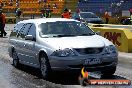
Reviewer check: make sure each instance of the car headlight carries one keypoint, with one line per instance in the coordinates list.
(64, 53)
(110, 49)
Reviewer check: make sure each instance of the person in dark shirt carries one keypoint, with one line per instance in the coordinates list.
(18, 12)
(46, 11)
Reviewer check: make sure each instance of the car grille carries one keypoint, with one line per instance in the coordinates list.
(84, 51)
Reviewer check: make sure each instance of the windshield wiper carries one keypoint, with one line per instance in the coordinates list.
(67, 35)
(57, 35)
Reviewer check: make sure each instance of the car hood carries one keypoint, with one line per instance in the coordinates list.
(77, 42)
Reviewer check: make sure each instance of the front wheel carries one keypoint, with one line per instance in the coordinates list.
(44, 66)
(15, 59)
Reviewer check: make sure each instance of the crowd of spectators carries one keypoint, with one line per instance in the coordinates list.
(46, 8)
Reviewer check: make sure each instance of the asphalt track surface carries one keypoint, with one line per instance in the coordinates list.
(28, 77)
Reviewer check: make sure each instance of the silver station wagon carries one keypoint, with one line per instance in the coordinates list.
(61, 44)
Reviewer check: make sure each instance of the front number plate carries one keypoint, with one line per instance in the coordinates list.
(92, 61)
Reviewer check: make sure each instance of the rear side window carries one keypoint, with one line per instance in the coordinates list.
(32, 31)
(24, 30)
(16, 29)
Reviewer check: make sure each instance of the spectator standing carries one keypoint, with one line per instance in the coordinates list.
(32, 13)
(18, 12)
(66, 14)
(106, 16)
(48, 11)
(2, 23)
(43, 11)
(54, 7)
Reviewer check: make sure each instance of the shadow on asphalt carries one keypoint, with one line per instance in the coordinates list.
(4, 37)
(64, 78)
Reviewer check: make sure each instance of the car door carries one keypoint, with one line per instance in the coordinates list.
(29, 48)
(21, 42)
(13, 40)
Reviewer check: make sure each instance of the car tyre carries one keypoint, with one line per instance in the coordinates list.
(15, 59)
(109, 71)
(44, 66)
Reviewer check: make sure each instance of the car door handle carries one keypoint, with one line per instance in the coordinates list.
(24, 45)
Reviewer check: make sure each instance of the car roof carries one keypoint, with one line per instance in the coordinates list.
(44, 20)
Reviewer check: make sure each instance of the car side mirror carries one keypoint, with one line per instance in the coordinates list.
(29, 37)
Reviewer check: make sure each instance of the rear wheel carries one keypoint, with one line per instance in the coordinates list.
(44, 66)
(109, 71)
(15, 59)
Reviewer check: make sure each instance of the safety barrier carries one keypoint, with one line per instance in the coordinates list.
(121, 37)
(113, 20)
(110, 25)
(10, 20)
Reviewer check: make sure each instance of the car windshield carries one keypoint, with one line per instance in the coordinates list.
(88, 15)
(64, 29)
